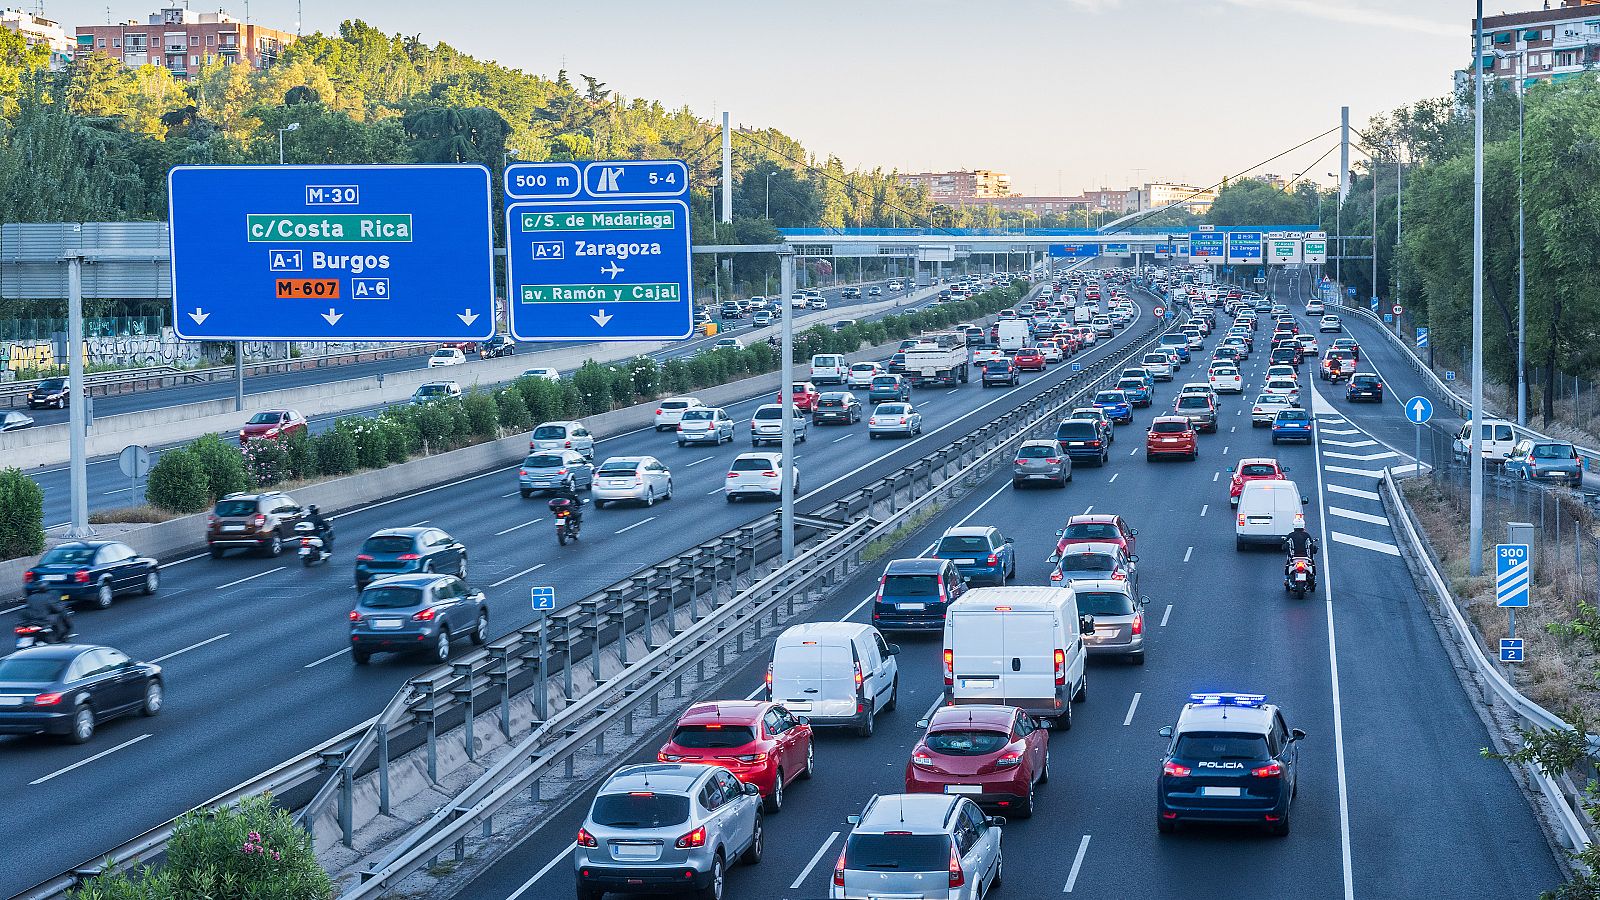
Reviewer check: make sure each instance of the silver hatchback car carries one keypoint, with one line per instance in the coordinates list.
(641, 478)
(1041, 461)
(547, 470)
(920, 846)
(667, 827)
(1118, 615)
(704, 425)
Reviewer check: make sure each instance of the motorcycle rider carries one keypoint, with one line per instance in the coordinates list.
(324, 528)
(574, 504)
(47, 610)
(1333, 369)
(1301, 544)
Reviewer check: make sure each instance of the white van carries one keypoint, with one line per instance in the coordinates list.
(1083, 314)
(1498, 439)
(834, 673)
(1017, 646)
(1268, 511)
(829, 368)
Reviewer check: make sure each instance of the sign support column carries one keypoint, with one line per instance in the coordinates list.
(77, 411)
(786, 397)
(238, 375)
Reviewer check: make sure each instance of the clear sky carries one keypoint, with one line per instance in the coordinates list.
(1062, 94)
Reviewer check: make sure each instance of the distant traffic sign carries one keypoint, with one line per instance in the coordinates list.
(1511, 575)
(1160, 311)
(1511, 650)
(1388, 317)
(599, 250)
(1077, 367)
(1114, 249)
(1244, 248)
(1449, 375)
(544, 599)
(1074, 251)
(1207, 246)
(1351, 290)
(1422, 338)
(1419, 410)
(1399, 310)
(331, 253)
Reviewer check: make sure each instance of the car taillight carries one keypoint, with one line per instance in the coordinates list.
(561, 471)
(259, 520)
(522, 471)
(568, 444)
(28, 577)
(363, 557)
(81, 576)
(770, 474)
(1270, 770)
(949, 667)
(769, 679)
(1175, 770)
(1241, 520)
(1009, 759)
(585, 839)
(1055, 575)
(752, 758)
(355, 616)
(50, 699)
(1299, 519)
(695, 838)
(860, 680)
(957, 877)
(658, 412)
(838, 871)
(424, 616)
(408, 557)
(920, 757)
(1119, 575)
(1061, 667)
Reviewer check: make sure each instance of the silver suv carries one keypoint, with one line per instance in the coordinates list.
(662, 827)
(920, 845)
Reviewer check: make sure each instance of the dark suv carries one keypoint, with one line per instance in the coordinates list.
(913, 594)
(49, 392)
(417, 614)
(261, 522)
(496, 347)
(1000, 371)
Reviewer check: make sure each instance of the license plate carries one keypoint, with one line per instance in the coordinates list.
(55, 578)
(10, 701)
(977, 683)
(233, 528)
(23, 643)
(798, 705)
(966, 562)
(1219, 792)
(617, 482)
(628, 851)
(911, 607)
(963, 789)
(1077, 444)
(386, 623)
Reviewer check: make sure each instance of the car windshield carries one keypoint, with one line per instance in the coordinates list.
(232, 509)
(769, 412)
(52, 384)
(619, 467)
(1554, 451)
(997, 365)
(898, 852)
(1036, 452)
(892, 409)
(1088, 562)
(444, 352)
(830, 400)
(543, 461)
(752, 464)
(799, 388)
(264, 418)
(432, 390)
(1193, 401)
(68, 556)
(910, 585)
(639, 809)
(963, 544)
(674, 404)
(391, 597)
(24, 668)
(387, 543)
(1258, 470)
(713, 736)
(1221, 746)
(1365, 380)
(697, 415)
(1110, 397)
(1170, 427)
(1159, 359)
(1130, 384)
(549, 432)
(966, 742)
(885, 381)
(1105, 603)
(1271, 400)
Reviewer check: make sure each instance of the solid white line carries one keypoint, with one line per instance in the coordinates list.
(250, 578)
(814, 860)
(117, 491)
(13, 609)
(699, 461)
(564, 854)
(1187, 553)
(1077, 863)
(1353, 492)
(312, 665)
(1203, 510)
(518, 575)
(208, 640)
(1369, 518)
(515, 527)
(185, 559)
(1128, 719)
(1365, 544)
(85, 762)
(1113, 478)
(1166, 615)
(635, 525)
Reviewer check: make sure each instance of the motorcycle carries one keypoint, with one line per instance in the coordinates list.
(313, 549)
(1298, 579)
(567, 523)
(32, 632)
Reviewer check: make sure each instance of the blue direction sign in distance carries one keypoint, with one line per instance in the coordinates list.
(1207, 246)
(331, 253)
(599, 250)
(1419, 410)
(544, 598)
(1510, 650)
(1074, 251)
(1115, 249)
(1511, 575)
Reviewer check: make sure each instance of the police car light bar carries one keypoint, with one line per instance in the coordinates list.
(1228, 698)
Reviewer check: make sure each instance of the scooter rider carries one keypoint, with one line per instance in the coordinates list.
(47, 610)
(323, 526)
(1301, 544)
(574, 504)
(1333, 369)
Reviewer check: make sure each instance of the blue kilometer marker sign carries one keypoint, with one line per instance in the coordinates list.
(599, 250)
(332, 253)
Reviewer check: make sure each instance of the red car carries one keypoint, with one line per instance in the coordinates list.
(760, 742)
(1253, 468)
(1171, 436)
(995, 755)
(271, 425)
(1029, 359)
(1099, 528)
(806, 396)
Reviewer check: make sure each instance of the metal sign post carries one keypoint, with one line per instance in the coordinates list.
(1418, 411)
(544, 602)
(77, 412)
(786, 398)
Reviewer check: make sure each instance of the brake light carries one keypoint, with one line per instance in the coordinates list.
(920, 757)
(259, 520)
(1052, 460)
(949, 667)
(1009, 759)
(770, 474)
(1056, 575)
(769, 679)
(658, 412)
(1299, 519)
(81, 576)
(585, 839)
(1175, 770)
(28, 576)
(752, 758)
(424, 616)
(50, 699)
(1138, 624)
(568, 444)
(522, 471)
(733, 474)
(407, 557)
(561, 471)
(364, 557)
(695, 838)
(993, 559)
(838, 871)
(1270, 770)
(1061, 667)
(1241, 520)
(859, 679)
(957, 877)
(355, 616)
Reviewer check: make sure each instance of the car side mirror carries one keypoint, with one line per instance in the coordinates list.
(852, 820)
(1134, 558)
(1297, 734)
(894, 649)
(1086, 624)
(751, 790)
(1010, 541)
(997, 820)
(1305, 501)
(1166, 731)
(1133, 532)
(1061, 533)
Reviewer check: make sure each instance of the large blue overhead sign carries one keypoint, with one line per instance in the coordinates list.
(331, 253)
(1207, 246)
(598, 251)
(1115, 250)
(1244, 248)
(1074, 251)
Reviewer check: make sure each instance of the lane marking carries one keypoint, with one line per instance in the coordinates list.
(565, 854)
(699, 461)
(1114, 478)
(250, 578)
(512, 494)
(1166, 615)
(1215, 476)
(821, 851)
(161, 659)
(720, 490)
(1353, 492)
(1088, 509)
(184, 560)
(532, 568)
(635, 525)
(1365, 544)
(419, 524)
(85, 762)
(1203, 510)
(1366, 443)
(1128, 719)
(1134, 452)
(1187, 553)
(1225, 450)
(1341, 431)
(752, 694)
(1360, 457)
(837, 440)
(1345, 470)
(1369, 518)
(1077, 863)
(312, 665)
(515, 527)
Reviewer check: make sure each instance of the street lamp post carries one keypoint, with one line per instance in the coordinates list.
(292, 126)
(769, 194)
(1475, 457)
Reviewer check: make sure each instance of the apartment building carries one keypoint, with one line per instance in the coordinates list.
(183, 40)
(1155, 195)
(38, 31)
(1549, 44)
(962, 187)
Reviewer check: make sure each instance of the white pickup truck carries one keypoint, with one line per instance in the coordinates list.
(929, 363)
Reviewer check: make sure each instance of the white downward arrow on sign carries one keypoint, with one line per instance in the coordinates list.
(332, 317)
(199, 316)
(602, 318)
(467, 316)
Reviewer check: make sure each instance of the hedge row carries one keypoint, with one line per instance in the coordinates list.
(191, 478)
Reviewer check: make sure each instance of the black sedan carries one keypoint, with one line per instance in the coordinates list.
(397, 551)
(49, 392)
(496, 347)
(96, 571)
(71, 689)
(1364, 386)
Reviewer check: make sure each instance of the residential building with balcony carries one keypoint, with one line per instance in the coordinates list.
(38, 31)
(960, 188)
(1155, 195)
(183, 41)
(1549, 44)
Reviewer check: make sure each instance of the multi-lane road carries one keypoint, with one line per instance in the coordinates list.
(255, 650)
(1397, 800)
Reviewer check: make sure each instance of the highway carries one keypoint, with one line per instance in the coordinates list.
(256, 650)
(1396, 800)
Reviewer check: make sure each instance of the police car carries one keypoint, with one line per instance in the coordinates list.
(1232, 759)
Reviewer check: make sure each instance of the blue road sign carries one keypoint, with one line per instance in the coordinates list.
(1449, 375)
(1074, 251)
(1419, 410)
(1511, 575)
(1388, 317)
(544, 599)
(1244, 247)
(1351, 290)
(1207, 246)
(331, 253)
(1115, 249)
(1422, 338)
(1510, 650)
(598, 250)
(1077, 367)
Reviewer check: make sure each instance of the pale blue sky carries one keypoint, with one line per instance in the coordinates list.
(1062, 94)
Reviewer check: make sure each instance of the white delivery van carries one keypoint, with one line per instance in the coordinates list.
(1013, 334)
(834, 673)
(1498, 439)
(1017, 646)
(1268, 511)
(1083, 314)
(829, 368)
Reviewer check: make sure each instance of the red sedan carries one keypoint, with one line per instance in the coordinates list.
(271, 425)
(994, 754)
(760, 742)
(1253, 468)
(806, 396)
(1029, 359)
(1171, 436)
(1098, 528)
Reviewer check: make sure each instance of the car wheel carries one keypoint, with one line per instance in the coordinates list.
(152, 581)
(82, 724)
(103, 594)
(361, 657)
(217, 552)
(811, 761)
(153, 698)
(1025, 808)
(682, 444)
(1165, 825)
(461, 568)
(650, 497)
(427, 567)
(894, 695)
(713, 890)
(866, 727)
(441, 647)
(758, 843)
(1044, 774)
(773, 802)
(527, 493)
(1083, 688)
(480, 629)
(1063, 722)
(669, 490)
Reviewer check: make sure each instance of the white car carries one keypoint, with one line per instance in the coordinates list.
(896, 286)
(669, 412)
(797, 301)
(1051, 350)
(1285, 387)
(1283, 372)
(766, 425)
(1158, 364)
(446, 356)
(862, 373)
(817, 303)
(542, 374)
(728, 343)
(1331, 323)
(1314, 308)
(757, 475)
(894, 418)
(1227, 380)
(644, 479)
(1266, 408)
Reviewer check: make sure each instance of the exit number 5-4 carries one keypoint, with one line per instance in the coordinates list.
(663, 177)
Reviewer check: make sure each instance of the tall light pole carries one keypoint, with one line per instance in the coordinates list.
(1475, 459)
(1522, 258)
(292, 126)
(769, 194)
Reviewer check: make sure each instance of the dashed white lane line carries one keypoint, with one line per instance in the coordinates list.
(1363, 543)
(1346, 470)
(1088, 509)
(512, 494)
(1134, 452)
(1215, 476)
(816, 858)
(1353, 492)
(531, 568)
(1113, 478)
(420, 524)
(84, 762)
(515, 527)
(334, 655)
(636, 524)
(698, 461)
(1225, 450)
(1187, 553)
(1369, 518)
(250, 578)
(835, 441)
(1077, 863)
(720, 490)
(1341, 431)
(1232, 428)
(1204, 509)
(194, 646)
(1166, 615)
(1128, 719)
(563, 856)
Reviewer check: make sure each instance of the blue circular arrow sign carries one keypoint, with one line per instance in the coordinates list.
(1419, 410)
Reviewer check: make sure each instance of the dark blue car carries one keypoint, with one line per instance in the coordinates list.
(1233, 758)
(1116, 406)
(914, 594)
(1138, 392)
(979, 552)
(1292, 425)
(1364, 386)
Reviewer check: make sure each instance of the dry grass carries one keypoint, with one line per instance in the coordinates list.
(1561, 672)
(143, 514)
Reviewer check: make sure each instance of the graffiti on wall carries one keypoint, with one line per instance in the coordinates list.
(147, 351)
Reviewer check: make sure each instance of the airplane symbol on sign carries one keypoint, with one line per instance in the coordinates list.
(613, 270)
(609, 176)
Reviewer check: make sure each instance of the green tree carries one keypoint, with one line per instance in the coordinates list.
(177, 482)
(21, 515)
